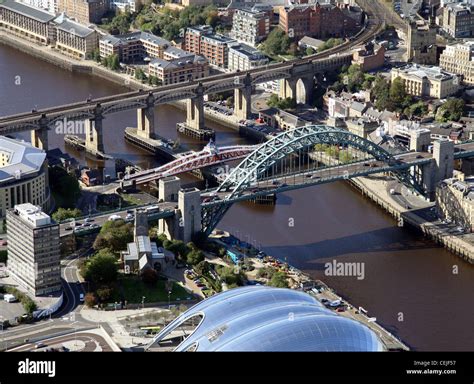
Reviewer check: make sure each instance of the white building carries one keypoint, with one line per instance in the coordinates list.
(33, 250)
(243, 57)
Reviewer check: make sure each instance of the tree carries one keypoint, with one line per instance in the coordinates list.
(195, 256)
(451, 110)
(29, 306)
(279, 280)
(64, 187)
(417, 109)
(277, 43)
(398, 95)
(66, 213)
(90, 300)
(202, 267)
(114, 62)
(381, 93)
(330, 43)
(178, 248)
(149, 277)
(309, 51)
(114, 235)
(104, 293)
(101, 269)
(140, 74)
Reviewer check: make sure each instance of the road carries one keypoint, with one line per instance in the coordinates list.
(77, 341)
(94, 222)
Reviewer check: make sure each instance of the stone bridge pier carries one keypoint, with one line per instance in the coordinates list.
(195, 110)
(243, 100)
(39, 137)
(94, 132)
(146, 119)
(298, 88)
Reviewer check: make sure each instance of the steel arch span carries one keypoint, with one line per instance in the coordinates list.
(280, 146)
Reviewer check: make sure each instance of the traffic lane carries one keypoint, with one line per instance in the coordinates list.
(100, 220)
(91, 341)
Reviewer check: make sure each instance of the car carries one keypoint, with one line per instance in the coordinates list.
(340, 309)
(373, 165)
(88, 219)
(309, 175)
(114, 217)
(68, 228)
(366, 165)
(275, 182)
(40, 345)
(81, 297)
(419, 157)
(315, 177)
(129, 216)
(86, 224)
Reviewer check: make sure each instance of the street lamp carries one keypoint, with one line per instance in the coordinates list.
(143, 302)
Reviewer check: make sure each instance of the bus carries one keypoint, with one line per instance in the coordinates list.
(151, 330)
(152, 209)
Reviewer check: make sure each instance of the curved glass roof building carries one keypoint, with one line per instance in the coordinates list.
(260, 318)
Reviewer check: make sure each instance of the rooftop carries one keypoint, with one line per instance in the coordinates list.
(26, 10)
(32, 214)
(73, 27)
(425, 71)
(255, 318)
(23, 159)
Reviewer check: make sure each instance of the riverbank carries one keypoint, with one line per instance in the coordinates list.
(51, 56)
(375, 190)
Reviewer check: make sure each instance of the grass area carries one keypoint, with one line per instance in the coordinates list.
(134, 289)
(130, 200)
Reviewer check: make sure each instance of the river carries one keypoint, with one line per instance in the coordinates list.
(409, 283)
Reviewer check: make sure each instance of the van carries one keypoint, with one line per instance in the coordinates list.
(114, 217)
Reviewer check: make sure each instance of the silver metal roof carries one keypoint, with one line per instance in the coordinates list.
(260, 318)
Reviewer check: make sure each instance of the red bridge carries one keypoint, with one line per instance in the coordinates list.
(190, 161)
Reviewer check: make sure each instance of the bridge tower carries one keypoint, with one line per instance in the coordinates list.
(243, 99)
(441, 168)
(39, 137)
(146, 119)
(189, 206)
(94, 132)
(195, 110)
(168, 188)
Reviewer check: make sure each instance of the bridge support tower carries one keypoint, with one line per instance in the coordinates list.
(94, 133)
(243, 100)
(146, 119)
(298, 88)
(39, 137)
(441, 168)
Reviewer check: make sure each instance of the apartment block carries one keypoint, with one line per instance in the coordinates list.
(319, 20)
(33, 249)
(458, 20)
(214, 47)
(459, 59)
(186, 68)
(84, 11)
(250, 27)
(243, 57)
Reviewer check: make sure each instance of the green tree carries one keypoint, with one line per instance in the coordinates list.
(309, 51)
(195, 256)
(114, 63)
(279, 280)
(101, 269)
(451, 110)
(417, 109)
(64, 187)
(381, 93)
(140, 74)
(202, 267)
(114, 236)
(277, 43)
(29, 306)
(398, 95)
(104, 293)
(66, 213)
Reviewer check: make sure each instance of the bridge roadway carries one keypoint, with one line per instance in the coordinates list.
(166, 210)
(136, 99)
(328, 174)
